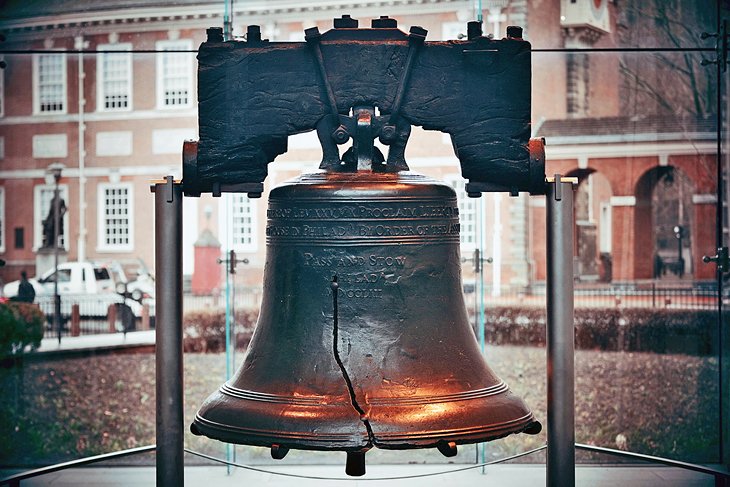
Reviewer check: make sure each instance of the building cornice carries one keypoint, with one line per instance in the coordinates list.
(196, 15)
(646, 149)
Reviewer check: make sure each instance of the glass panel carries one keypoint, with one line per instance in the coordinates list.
(642, 144)
(636, 129)
(602, 24)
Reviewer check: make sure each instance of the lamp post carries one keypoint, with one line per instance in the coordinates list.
(55, 170)
(679, 233)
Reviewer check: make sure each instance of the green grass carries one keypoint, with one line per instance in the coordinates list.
(59, 410)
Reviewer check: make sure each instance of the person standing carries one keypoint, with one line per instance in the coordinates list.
(26, 292)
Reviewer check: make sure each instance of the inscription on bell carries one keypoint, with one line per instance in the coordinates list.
(361, 230)
(310, 259)
(364, 211)
(360, 276)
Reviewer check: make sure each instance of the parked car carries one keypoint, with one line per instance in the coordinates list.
(93, 286)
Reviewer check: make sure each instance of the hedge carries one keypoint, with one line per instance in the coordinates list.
(205, 331)
(692, 332)
(21, 325)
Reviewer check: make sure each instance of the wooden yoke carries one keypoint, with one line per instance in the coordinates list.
(254, 94)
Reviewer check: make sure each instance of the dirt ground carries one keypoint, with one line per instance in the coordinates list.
(52, 411)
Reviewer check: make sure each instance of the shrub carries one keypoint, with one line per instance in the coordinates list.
(205, 331)
(656, 330)
(21, 325)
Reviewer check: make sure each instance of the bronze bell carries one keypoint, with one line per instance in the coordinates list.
(363, 338)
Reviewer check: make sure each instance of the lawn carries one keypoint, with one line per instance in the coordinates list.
(58, 410)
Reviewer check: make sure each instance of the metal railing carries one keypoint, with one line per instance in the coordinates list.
(627, 295)
(83, 314)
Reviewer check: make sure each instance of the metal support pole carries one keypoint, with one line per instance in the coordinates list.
(169, 349)
(56, 228)
(560, 345)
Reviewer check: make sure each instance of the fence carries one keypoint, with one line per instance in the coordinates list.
(94, 310)
(627, 295)
(84, 314)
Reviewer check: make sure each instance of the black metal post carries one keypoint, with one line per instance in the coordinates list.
(560, 345)
(168, 329)
(56, 227)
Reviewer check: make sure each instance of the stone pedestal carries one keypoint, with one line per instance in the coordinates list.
(45, 260)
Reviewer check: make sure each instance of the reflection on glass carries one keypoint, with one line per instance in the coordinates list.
(637, 129)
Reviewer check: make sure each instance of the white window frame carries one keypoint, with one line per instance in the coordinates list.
(227, 226)
(101, 242)
(176, 45)
(605, 228)
(36, 84)
(101, 75)
(3, 235)
(40, 213)
(467, 207)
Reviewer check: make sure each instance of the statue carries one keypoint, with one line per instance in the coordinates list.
(49, 232)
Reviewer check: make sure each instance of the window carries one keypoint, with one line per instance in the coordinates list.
(64, 275)
(467, 213)
(49, 83)
(114, 78)
(174, 74)
(115, 217)
(2, 220)
(238, 223)
(43, 195)
(19, 237)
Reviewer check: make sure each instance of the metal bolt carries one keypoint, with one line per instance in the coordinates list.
(340, 135)
(215, 34)
(473, 30)
(387, 133)
(384, 22)
(345, 22)
(514, 32)
(253, 33)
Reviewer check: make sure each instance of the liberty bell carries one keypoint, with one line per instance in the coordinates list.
(363, 338)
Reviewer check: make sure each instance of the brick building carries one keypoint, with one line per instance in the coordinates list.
(116, 118)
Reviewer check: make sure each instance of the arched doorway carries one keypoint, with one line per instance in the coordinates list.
(664, 224)
(593, 228)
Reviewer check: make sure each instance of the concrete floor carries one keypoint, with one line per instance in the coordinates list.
(495, 476)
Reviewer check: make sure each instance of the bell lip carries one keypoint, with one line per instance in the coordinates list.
(295, 441)
(227, 435)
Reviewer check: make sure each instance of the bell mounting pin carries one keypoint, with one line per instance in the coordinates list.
(355, 463)
(278, 452)
(447, 448)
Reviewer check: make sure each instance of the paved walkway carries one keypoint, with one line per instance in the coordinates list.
(495, 476)
(92, 343)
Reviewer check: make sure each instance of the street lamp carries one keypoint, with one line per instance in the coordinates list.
(55, 170)
(679, 233)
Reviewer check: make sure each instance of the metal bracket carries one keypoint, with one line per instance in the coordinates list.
(232, 261)
(313, 38)
(416, 38)
(169, 183)
(721, 46)
(722, 259)
(558, 179)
